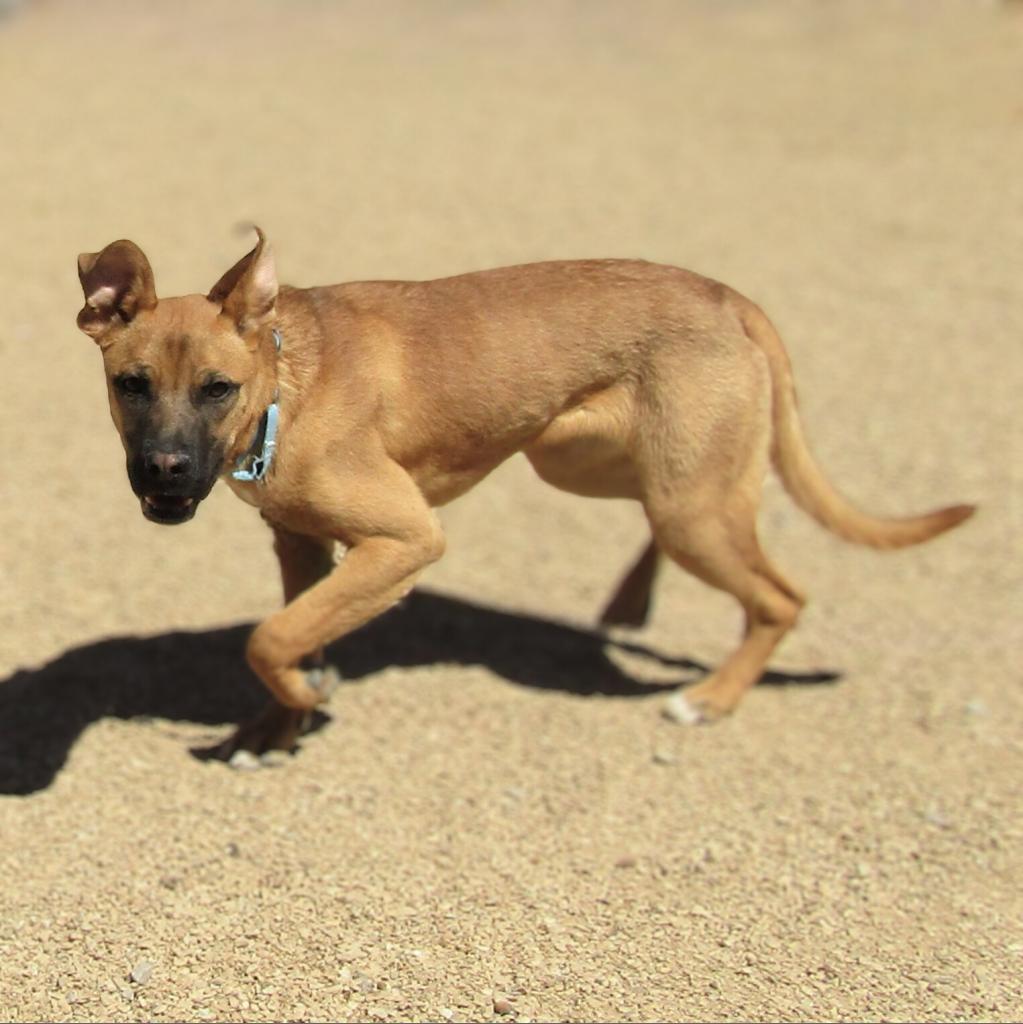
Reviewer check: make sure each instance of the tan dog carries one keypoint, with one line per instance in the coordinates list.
(356, 409)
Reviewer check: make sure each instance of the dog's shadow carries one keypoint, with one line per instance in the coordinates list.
(202, 677)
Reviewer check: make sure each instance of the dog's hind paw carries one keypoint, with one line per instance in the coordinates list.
(678, 708)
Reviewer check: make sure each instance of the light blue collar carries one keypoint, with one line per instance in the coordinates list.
(259, 464)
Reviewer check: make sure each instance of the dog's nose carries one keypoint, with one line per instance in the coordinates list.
(161, 465)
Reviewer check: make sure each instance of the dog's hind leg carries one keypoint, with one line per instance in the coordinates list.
(630, 603)
(304, 561)
(721, 548)
(703, 457)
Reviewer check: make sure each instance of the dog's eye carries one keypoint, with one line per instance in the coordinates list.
(217, 389)
(134, 385)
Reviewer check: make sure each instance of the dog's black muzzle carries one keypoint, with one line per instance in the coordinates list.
(169, 483)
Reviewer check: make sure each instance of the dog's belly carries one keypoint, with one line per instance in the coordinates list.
(586, 466)
(585, 449)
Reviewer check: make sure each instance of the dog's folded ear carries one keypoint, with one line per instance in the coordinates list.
(118, 285)
(247, 293)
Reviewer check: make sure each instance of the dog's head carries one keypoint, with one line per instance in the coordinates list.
(188, 378)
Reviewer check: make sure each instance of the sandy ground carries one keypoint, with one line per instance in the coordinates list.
(495, 809)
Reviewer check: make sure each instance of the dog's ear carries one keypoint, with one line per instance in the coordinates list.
(247, 293)
(117, 283)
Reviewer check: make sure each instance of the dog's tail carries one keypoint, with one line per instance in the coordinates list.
(803, 478)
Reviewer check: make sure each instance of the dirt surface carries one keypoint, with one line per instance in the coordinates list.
(496, 817)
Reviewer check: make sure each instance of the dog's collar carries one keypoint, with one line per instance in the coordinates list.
(256, 462)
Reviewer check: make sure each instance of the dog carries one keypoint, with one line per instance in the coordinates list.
(347, 414)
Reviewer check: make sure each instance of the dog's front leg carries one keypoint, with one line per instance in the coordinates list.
(376, 572)
(304, 561)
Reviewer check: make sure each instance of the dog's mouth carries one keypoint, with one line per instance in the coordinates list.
(168, 509)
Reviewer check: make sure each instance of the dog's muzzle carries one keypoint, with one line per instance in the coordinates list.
(171, 481)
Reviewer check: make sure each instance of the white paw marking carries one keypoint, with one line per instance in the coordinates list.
(679, 709)
(244, 761)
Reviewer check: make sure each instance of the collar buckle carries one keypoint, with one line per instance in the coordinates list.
(260, 464)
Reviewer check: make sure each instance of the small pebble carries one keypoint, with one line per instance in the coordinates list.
(141, 972)
(626, 861)
(663, 757)
(502, 1006)
(933, 816)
